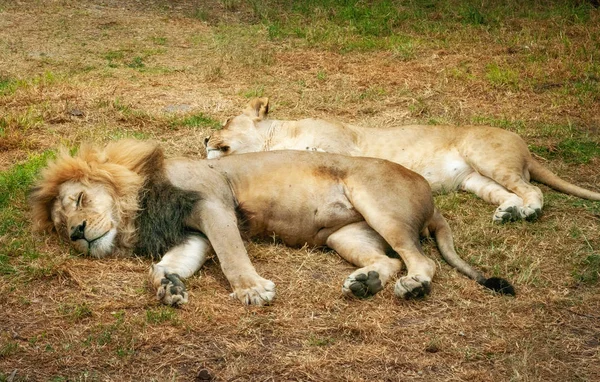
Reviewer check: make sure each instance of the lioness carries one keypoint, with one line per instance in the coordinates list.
(493, 163)
(127, 198)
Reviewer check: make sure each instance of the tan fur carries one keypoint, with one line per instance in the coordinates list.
(362, 208)
(493, 163)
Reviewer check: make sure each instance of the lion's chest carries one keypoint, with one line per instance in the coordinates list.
(295, 213)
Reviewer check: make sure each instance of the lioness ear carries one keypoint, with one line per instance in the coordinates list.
(257, 108)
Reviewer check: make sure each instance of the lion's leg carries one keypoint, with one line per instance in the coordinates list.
(360, 245)
(509, 204)
(533, 199)
(524, 204)
(395, 216)
(178, 263)
(503, 157)
(222, 231)
(420, 269)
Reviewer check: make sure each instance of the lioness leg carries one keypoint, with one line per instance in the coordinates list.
(178, 263)
(533, 199)
(360, 245)
(517, 198)
(509, 204)
(508, 168)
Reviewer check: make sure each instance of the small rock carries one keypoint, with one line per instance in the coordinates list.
(204, 375)
(76, 112)
(177, 108)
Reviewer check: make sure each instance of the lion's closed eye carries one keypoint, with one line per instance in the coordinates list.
(79, 202)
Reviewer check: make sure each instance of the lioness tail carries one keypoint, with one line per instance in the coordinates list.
(439, 228)
(541, 174)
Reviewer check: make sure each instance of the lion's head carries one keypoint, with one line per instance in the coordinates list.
(92, 199)
(239, 134)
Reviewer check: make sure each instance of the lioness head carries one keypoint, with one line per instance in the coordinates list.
(91, 199)
(239, 134)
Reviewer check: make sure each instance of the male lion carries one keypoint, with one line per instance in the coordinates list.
(493, 163)
(127, 198)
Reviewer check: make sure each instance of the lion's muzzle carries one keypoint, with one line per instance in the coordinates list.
(78, 232)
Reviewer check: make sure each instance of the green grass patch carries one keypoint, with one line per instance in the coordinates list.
(319, 341)
(134, 60)
(159, 40)
(472, 14)
(14, 225)
(15, 182)
(130, 114)
(502, 76)
(162, 315)
(5, 267)
(20, 123)
(113, 56)
(588, 270)
(591, 206)
(9, 348)
(75, 312)
(197, 120)
(570, 150)
(9, 86)
(587, 87)
(5, 85)
(259, 91)
(353, 25)
(516, 126)
(136, 63)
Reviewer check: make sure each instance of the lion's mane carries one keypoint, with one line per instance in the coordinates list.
(150, 211)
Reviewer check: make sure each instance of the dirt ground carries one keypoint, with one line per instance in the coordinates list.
(99, 70)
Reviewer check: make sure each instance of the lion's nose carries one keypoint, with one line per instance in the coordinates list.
(206, 141)
(77, 231)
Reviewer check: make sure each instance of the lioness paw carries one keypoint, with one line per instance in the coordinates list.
(506, 214)
(412, 287)
(260, 294)
(362, 285)
(172, 291)
(515, 213)
(530, 213)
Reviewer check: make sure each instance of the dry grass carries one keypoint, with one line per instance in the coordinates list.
(99, 70)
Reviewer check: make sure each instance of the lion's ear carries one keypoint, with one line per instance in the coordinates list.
(257, 108)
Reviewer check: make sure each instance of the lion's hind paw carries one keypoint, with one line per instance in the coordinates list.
(261, 294)
(416, 286)
(172, 290)
(362, 285)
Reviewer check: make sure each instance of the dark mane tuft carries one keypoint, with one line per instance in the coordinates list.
(160, 224)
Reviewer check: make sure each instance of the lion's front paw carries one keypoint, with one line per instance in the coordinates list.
(172, 291)
(362, 285)
(412, 287)
(262, 293)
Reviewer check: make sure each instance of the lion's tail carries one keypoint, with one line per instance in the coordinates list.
(541, 174)
(439, 228)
